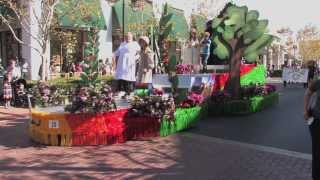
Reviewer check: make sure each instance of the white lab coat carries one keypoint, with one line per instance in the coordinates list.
(128, 54)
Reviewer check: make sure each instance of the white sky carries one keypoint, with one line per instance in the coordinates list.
(286, 13)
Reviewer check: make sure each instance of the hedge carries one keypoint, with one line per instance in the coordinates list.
(67, 83)
(252, 105)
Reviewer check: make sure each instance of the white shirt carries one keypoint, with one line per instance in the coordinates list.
(16, 73)
(126, 65)
(25, 67)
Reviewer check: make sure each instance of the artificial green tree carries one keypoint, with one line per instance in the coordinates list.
(170, 63)
(89, 76)
(238, 33)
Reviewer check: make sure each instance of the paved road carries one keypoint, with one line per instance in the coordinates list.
(186, 156)
(281, 126)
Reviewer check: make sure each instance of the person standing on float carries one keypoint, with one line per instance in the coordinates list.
(146, 64)
(128, 55)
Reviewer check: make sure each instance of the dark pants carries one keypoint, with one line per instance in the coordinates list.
(126, 86)
(315, 136)
(204, 61)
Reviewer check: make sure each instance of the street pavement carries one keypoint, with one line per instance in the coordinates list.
(191, 155)
(281, 126)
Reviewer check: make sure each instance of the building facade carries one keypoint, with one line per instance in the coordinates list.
(9, 48)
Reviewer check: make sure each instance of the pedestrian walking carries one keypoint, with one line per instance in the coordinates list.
(312, 116)
(128, 55)
(146, 64)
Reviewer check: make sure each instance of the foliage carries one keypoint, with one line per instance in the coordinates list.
(68, 83)
(246, 92)
(44, 95)
(198, 22)
(170, 64)
(91, 96)
(154, 106)
(238, 23)
(220, 97)
(92, 100)
(173, 24)
(89, 76)
(309, 43)
(257, 90)
(309, 50)
(44, 18)
(165, 29)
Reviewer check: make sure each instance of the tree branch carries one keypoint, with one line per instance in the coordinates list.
(6, 22)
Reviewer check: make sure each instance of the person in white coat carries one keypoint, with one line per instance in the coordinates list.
(127, 56)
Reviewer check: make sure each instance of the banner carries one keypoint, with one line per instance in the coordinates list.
(185, 80)
(295, 75)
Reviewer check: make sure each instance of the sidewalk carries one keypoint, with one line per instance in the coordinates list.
(274, 80)
(182, 156)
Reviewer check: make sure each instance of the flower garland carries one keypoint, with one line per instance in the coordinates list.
(193, 99)
(184, 68)
(153, 106)
(92, 100)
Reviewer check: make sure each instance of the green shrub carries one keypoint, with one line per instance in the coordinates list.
(68, 83)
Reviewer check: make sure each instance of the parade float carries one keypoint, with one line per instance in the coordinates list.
(240, 36)
(177, 101)
(91, 117)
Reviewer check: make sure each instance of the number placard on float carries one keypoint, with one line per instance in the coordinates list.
(53, 124)
(185, 80)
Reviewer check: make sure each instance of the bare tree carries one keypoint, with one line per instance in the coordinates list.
(24, 13)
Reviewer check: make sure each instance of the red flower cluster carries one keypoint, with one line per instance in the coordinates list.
(157, 92)
(184, 68)
(193, 99)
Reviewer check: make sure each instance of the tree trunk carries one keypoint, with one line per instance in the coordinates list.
(233, 84)
(45, 64)
(42, 68)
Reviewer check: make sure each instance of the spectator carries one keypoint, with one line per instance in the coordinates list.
(7, 90)
(13, 70)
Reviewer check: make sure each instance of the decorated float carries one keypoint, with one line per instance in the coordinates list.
(178, 99)
(95, 120)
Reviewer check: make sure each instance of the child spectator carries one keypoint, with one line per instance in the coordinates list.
(7, 91)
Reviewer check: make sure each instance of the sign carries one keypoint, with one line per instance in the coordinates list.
(185, 80)
(53, 124)
(295, 75)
